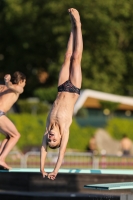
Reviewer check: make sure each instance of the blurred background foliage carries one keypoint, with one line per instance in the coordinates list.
(118, 127)
(33, 107)
(34, 36)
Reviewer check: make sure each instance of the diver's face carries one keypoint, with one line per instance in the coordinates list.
(22, 83)
(54, 138)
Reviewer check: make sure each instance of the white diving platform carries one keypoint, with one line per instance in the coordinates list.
(74, 171)
(111, 186)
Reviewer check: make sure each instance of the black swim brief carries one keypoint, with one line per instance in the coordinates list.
(68, 87)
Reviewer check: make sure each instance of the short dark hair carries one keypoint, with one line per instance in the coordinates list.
(17, 76)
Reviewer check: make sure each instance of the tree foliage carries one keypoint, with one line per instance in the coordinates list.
(117, 127)
(34, 36)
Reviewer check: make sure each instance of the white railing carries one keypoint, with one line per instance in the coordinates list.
(79, 160)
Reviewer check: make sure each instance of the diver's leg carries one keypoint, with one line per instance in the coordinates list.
(76, 73)
(9, 128)
(65, 69)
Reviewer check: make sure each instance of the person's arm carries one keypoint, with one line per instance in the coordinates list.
(62, 150)
(43, 154)
(14, 87)
(2, 88)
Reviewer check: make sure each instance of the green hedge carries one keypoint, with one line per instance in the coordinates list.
(118, 126)
(79, 136)
(32, 127)
(26, 106)
(46, 94)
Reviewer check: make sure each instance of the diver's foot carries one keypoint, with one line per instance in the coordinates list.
(4, 165)
(75, 16)
(72, 20)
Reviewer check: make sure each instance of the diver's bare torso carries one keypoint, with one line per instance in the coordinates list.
(7, 98)
(62, 110)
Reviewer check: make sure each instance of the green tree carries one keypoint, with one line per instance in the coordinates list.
(34, 35)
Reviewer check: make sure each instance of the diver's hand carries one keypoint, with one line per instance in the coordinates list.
(7, 77)
(52, 175)
(44, 174)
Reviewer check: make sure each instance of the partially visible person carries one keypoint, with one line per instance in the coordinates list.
(92, 146)
(9, 94)
(126, 145)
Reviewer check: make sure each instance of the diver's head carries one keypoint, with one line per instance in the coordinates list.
(54, 139)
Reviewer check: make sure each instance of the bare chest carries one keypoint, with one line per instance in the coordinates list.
(62, 109)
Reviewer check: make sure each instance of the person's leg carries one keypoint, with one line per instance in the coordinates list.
(75, 73)
(3, 143)
(65, 69)
(8, 127)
